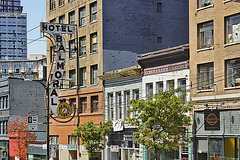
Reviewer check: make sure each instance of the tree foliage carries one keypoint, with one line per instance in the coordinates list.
(94, 138)
(21, 137)
(159, 120)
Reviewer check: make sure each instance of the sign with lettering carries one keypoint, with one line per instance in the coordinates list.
(56, 31)
(212, 120)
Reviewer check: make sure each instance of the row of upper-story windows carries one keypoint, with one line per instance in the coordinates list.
(231, 77)
(82, 16)
(60, 3)
(54, 140)
(83, 77)
(82, 46)
(6, 65)
(117, 109)
(206, 32)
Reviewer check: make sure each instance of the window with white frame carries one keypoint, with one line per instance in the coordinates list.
(110, 106)
(170, 85)
(93, 47)
(94, 74)
(205, 76)
(17, 75)
(118, 105)
(83, 103)
(83, 76)
(72, 76)
(182, 85)
(4, 71)
(82, 16)
(82, 46)
(94, 104)
(93, 12)
(136, 94)
(17, 64)
(232, 72)
(62, 19)
(204, 3)
(54, 139)
(126, 103)
(72, 49)
(5, 65)
(52, 4)
(72, 140)
(71, 17)
(61, 2)
(232, 28)
(205, 35)
(149, 89)
(159, 86)
(3, 130)
(4, 102)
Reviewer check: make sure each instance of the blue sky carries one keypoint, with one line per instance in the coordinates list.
(36, 12)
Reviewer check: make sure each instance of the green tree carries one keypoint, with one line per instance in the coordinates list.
(94, 138)
(159, 120)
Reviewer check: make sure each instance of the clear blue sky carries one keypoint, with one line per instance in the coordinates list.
(36, 12)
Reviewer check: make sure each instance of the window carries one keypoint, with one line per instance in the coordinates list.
(54, 139)
(53, 21)
(136, 94)
(4, 71)
(72, 75)
(159, 39)
(63, 81)
(4, 102)
(233, 72)
(205, 34)
(82, 16)
(94, 104)
(52, 4)
(70, 1)
(127, 103)
(232, 25)
(182, 85)
(5, 65)
(71, 17)
(29, 76)
(93, 47)
(83, 76)
(61, 2)
(205, 76)
(83, 103)
(119, 105)
(170, 85)
(159, 7)
(62, 19)
(72, 140)
(82, 46)
(29, 65)
(93, 12)
(17, 64)
(204, 3)
(72, 49)
(149, 89)
(110, 105)
(94, 74)
(3, 129)
(159, 86)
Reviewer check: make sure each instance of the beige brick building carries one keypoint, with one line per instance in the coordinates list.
(214, 28)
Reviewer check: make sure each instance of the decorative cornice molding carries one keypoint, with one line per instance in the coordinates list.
(167, 68)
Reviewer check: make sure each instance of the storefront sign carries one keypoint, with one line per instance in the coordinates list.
(211, 118)
(118, 125)
(114, 148)
(69, 147)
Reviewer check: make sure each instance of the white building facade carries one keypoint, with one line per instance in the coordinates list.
(120, 86)
(161, 70)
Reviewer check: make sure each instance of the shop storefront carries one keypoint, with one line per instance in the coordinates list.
(216, 136)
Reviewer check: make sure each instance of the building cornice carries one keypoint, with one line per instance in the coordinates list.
(167, 68)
